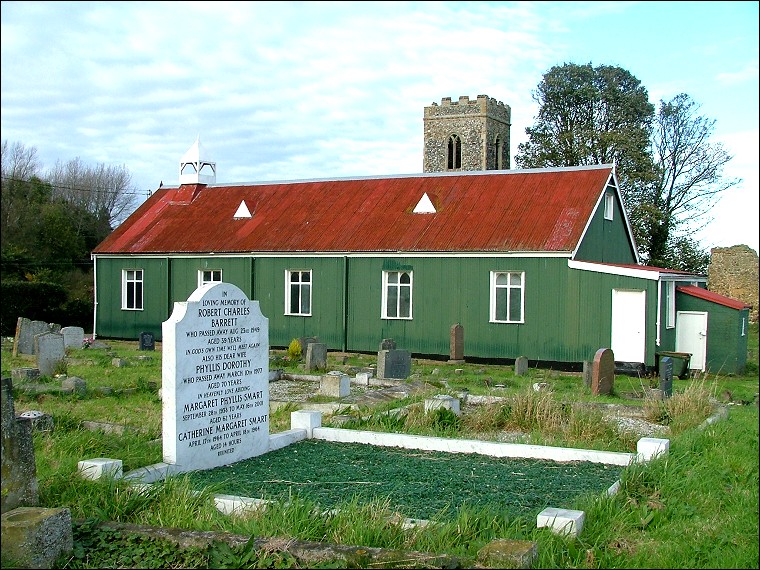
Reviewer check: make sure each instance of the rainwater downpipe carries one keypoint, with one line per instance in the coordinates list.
(345, 303)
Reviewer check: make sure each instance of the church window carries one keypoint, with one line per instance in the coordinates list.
(454, 154)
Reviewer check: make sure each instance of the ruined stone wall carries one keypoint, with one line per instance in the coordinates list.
(478, 123)
(733, 272)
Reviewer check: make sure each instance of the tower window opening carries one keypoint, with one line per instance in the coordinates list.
(454, 158)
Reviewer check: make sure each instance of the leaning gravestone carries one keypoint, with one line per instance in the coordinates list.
(26, 330)
(316, 356)
(603, 372)
(215, 379)
(394, 364)
(50, 351)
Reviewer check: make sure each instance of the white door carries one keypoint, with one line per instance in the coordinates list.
(691, 336)
(628, 338)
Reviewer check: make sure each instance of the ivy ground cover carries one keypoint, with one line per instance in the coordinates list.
(418, 484)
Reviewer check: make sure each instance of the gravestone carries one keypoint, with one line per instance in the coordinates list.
(521, 366)
(73, 337)
(394, 364)
(305, 341)
(335, 384)
(603, 372)
(215, 379)
(316, 356)
(147, 341)
(19, 480)
(666, 376)
(587, 372)
(26, 330)
(456, 344)
(387, 344)
(50, 351)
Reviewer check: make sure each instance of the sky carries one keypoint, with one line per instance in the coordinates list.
(310, 90)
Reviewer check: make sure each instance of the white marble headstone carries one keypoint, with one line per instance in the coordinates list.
(215, 379)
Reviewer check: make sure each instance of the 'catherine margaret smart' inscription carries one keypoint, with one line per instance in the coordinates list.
(215, 379)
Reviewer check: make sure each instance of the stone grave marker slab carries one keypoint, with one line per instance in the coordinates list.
(50, 350)
(26, 330)
(19, 480)
(603, 372)
(215, 379)
(456, 343)
(316, 356)
(394, 364)
(147, 341)
(73, 337)
(521, 366)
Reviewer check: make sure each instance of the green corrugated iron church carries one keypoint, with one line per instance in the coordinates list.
(539, 263)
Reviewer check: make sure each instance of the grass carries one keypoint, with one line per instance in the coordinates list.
(695, 508)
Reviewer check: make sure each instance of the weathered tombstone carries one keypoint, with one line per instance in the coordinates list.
(387, 344)
(74, 385)
(215, 379)
(456, 343)
(394, 364)
(50, 352)
(305, 341)
(147, 341)
(26, 330)
(316, 356)
(521, 366)
(19, 480)
(73, 337)
(666, 376)
(603, 372)
(335, 384)
(442, 401)
(22, 375)
(587, 372)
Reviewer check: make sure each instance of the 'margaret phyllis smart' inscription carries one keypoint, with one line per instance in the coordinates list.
(215, 379)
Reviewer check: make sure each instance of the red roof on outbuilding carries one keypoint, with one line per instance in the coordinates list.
(713, 297)
(543, 210)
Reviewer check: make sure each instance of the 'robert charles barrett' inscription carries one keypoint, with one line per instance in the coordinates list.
(215, 379)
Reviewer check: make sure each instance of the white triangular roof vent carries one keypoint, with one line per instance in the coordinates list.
(242, 211)
(424, 206)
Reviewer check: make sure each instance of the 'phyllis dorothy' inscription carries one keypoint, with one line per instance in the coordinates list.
(216, 363)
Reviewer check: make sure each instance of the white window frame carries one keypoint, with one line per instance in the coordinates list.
(132, 290)
(509, 288)
(670, 304)
(609, 206)
(304, 288)
(209, 276)
(398, 286)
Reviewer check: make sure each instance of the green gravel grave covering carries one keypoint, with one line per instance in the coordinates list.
(419, 484)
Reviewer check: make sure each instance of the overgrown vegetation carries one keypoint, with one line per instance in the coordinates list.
(695, 508)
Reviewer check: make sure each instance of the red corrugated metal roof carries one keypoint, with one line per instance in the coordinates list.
(713, 297)
(520, 210)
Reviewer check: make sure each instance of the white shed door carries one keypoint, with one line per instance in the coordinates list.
(691, 336)
(628, 341)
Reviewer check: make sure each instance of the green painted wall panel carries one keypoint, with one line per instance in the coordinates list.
(184, 274)
(607, 241)
(114, 322)
(326, 320)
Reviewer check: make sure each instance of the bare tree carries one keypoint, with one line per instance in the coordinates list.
(101, 190)
(19, 162)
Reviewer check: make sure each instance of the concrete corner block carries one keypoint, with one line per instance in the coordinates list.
(648, 448)
(35, 537)
(443, 401)
(505, 553)
(100, 467)
(562, 521)
(306, 419)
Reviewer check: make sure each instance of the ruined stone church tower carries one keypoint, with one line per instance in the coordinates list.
(466, 135)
